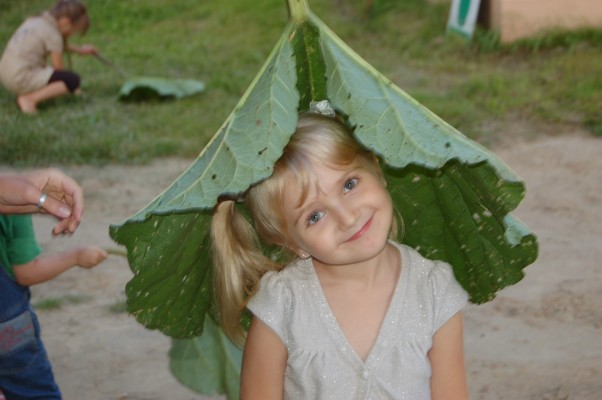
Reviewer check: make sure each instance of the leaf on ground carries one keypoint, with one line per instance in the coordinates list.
(142, 88)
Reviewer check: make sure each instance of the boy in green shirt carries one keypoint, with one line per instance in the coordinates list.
(25, 371)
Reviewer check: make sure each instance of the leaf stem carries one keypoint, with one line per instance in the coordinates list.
(298, 10)
(116, 252)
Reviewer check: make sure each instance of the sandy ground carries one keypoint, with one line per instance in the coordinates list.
(540, 339)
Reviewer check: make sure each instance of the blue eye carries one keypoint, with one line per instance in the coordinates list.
(350, 184)
(315, 217)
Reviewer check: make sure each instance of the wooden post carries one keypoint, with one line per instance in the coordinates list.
(516, 19)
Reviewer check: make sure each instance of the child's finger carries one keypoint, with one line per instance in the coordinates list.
(62, 228)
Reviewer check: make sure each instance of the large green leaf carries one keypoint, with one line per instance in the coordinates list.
(452, 193)
(141, 88)
(458, 214)
(169, 291)
(168, 240)
(208, 364)
(455, 197)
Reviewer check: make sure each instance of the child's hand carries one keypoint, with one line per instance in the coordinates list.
(90, 256)
(87, 49)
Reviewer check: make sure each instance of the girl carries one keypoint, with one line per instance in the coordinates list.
(353, 315)
(23, 67)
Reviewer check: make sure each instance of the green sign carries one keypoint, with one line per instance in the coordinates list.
(463, 16)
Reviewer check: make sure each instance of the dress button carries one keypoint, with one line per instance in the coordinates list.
(364, 374)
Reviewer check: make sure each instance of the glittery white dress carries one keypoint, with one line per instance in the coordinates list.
(322, 365)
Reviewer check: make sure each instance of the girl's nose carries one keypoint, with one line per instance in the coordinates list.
(347, 215)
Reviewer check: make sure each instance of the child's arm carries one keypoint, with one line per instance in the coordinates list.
(56, 59)
(448, 380)
(85, 49)
(263, 364)
(43, 269)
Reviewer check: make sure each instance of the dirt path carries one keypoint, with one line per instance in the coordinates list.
(540, 339)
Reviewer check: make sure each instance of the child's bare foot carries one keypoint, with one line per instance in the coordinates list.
(26, 105)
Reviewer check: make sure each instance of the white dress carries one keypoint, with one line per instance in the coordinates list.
(322, 364)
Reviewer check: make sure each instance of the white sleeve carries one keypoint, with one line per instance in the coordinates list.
(448, 296)
(272, 303)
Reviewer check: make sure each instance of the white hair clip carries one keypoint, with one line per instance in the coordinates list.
(322, 107)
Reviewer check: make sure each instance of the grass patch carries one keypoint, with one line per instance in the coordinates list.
(118, 307)
(56, 303)
(554, 78)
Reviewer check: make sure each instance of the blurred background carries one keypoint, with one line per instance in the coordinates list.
(537, 85)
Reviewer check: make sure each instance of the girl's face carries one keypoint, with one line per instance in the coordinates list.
(70, 28)
(346, 217)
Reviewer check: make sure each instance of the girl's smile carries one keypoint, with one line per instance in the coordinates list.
(361, 232)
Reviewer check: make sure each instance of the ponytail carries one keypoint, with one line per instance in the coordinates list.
(239, 264)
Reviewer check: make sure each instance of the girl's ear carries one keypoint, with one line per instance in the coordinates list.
(296, 250)
(299, 252)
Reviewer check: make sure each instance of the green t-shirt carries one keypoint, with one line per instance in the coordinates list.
(18, 244)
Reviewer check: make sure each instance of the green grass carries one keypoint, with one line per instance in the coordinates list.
(551, 80)
(55, 303)
(118, 307)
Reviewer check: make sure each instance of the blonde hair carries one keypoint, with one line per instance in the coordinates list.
(238, 257)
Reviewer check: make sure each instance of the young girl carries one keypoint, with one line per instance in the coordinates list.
(353, 315)
(23, 66)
